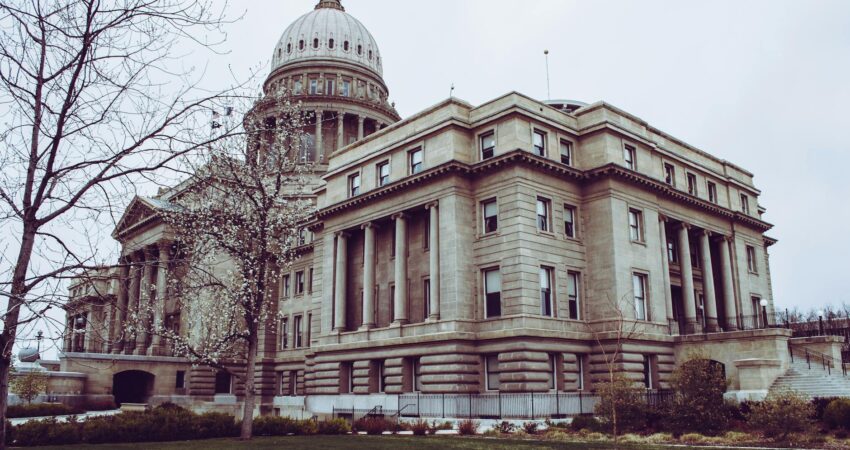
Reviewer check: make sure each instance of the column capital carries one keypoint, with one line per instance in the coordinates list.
(435, 205)
(400, 215)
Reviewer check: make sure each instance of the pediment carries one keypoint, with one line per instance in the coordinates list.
(140, 210)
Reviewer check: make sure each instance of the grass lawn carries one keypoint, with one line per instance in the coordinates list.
(365, 442)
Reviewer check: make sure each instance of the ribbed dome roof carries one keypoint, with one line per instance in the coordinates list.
(328, 33)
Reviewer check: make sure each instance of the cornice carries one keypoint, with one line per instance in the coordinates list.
(523, 157)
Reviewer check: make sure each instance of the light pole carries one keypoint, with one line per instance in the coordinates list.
(820, 322)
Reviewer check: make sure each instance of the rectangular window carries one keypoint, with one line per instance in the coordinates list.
(314, 87)
(546, 291)
(383, 171)
(297, 332)
(488, 145)
(712, 192)
(692, 184)
(492, 293)
(346, 88)
(639, 288)
(669, 174)
(647, 372)
(573, 295)
(299, 282)
(330, 87)
(544, 206)
(415, 160)
(284, 333)
(553, 372)
(491, 216)
(426, 297)
(285, 290)
(745, 204)
(751, 259)
(491, 372)
(636, 225)
(180, 379)
(354, 185)
(570, 221)
(566, 152)
(539, 142)
(629, 157)
(695, 259)
(672, 251)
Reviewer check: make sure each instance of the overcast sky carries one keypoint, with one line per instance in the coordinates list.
(763, 84)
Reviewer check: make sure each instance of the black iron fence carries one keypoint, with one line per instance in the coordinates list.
(527, 405)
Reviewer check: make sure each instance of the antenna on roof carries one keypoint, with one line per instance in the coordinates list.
(548, 93)
(451, 90)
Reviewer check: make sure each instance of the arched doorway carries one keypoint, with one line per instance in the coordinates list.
(132, 386)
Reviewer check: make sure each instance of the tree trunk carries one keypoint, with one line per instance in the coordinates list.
(10, 321)
(250, 394)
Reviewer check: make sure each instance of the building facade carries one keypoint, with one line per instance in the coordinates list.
(511, 247)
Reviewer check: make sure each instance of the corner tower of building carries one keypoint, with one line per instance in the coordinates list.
(331, 63)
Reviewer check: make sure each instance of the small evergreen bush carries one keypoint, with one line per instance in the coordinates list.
(837, 414)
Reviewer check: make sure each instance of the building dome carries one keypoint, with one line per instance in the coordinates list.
(328, 33)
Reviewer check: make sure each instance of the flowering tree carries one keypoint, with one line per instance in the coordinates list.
(238, 221)
(92, 101)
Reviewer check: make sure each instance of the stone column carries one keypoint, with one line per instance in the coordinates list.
(687, 279)
(708, 282)
(665, 271)
(318, 141)
(120, 314)
(728, 288)
(434, 260)
(400, 300)
(144, 304)
(360, 121)
(156, 347)
(368, 276)
(341, 281)
(340, 130)
(129, 342)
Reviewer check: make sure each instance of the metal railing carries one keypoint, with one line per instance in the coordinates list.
(527, 405)
(817, 359)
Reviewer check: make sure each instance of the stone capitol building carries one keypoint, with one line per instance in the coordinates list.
(466, 250)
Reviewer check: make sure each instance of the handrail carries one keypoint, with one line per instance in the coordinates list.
(827, 362)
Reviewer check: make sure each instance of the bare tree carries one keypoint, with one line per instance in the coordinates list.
(238, 222)
(610, 335)
(92, 98)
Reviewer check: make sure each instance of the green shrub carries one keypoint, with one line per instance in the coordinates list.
(41, 409)
(373, 425)
(585, 422)
(698, 406)
(419, 427)
(47, 432)
(467, 427)
(837, 414)
(530, 427)
(334, 426)
(781, 414)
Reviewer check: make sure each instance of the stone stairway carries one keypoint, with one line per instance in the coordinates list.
(813, 382)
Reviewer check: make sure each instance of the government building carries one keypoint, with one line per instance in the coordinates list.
(518, 247)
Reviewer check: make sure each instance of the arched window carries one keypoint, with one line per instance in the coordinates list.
(359, 49)
(331, 43)
(316, 43)
(301, 44)
(345, 45)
